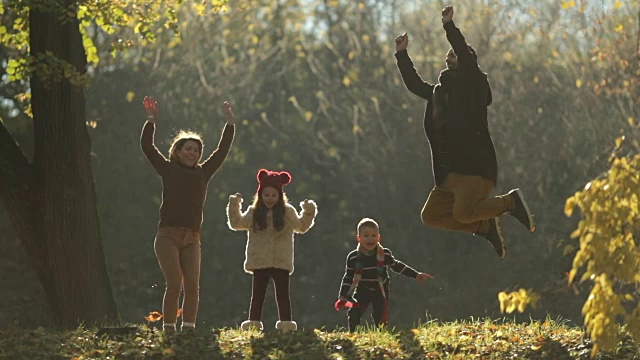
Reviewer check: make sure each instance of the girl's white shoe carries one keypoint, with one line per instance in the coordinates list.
(251, 325)
(286, 326)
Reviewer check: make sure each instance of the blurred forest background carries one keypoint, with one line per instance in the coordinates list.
(316, 91)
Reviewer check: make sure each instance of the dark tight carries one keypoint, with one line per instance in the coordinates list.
(281, 284)
(364, 297)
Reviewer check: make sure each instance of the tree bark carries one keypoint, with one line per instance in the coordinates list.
(52, 201)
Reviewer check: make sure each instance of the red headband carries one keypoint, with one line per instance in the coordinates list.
(273, 178)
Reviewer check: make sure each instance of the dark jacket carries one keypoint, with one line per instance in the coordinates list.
(370, 274)
(463, 143)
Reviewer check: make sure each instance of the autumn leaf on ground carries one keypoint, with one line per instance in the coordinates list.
(154, 316)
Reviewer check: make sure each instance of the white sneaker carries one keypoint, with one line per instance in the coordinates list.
(251, 325)
(286, 326)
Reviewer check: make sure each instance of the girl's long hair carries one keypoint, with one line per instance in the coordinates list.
(260, 211)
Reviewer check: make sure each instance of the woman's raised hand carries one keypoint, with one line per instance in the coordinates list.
(151, 107)
(231, 117)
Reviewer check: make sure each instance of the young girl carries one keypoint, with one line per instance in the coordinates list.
(184, 190)
(270, 222)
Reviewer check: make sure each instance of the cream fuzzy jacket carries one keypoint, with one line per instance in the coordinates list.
(269, 248)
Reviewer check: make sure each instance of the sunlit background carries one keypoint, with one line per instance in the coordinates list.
(316, 90)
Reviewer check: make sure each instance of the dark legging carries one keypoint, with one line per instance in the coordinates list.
(259, 289)
(364, 297)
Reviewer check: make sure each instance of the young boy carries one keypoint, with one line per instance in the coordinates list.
(366, 279)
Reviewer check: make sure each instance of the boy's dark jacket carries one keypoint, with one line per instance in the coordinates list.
(369, 278)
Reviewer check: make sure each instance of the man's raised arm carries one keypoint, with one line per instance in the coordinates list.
(456, 39)
(412, 81)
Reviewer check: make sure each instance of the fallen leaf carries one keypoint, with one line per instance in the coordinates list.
(153, 316)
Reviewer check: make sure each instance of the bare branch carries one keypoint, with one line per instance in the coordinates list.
(203, 78)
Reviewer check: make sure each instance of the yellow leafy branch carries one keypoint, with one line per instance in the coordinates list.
(608, 254)
(518, 300)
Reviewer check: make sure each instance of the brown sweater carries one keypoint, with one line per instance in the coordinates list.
(184, 189)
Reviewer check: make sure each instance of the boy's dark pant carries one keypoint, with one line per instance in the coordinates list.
(365, 296)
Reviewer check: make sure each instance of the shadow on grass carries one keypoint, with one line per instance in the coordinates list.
(301, 344)
(194, 344)
(149, 343)
(33, 344)
(552, 349)
(410, 344)
(344, 347)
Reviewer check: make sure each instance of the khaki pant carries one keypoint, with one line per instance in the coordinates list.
(462, 203)
(178, 253)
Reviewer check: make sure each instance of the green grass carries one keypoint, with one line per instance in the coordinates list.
(474, 339)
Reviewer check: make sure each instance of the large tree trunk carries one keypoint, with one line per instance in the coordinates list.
(52, 202)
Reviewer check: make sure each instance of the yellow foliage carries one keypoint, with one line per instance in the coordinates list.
(333, 152)
(199, 8)
(518, 300)
(608, 254)
(308, 115)
(89, 47)
(568, 207)
(130, 96)
(147, 20)
(619, 141)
